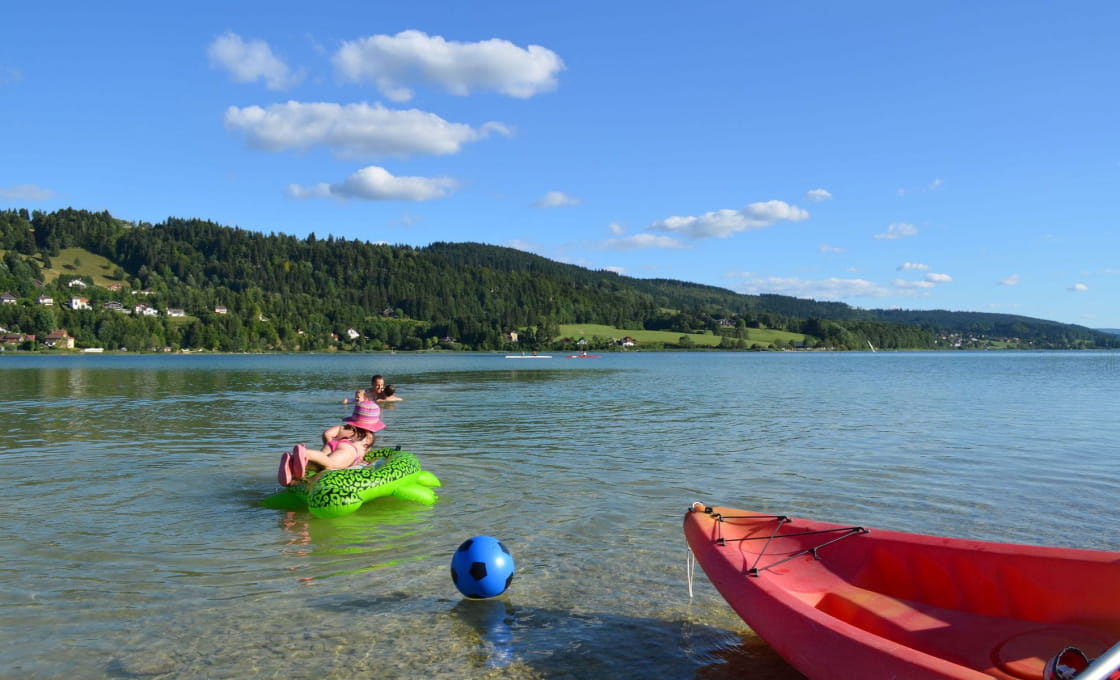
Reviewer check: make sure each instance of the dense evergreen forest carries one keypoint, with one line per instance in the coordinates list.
(193, 284)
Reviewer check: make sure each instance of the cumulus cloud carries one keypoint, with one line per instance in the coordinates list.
(250, 61)
(724, 223)
(817, 195)
(826, 248)
(939, 278)
(819, 289)
(898, 230)
(374, 183)
(1078, 288)
(640, 241)
(616, 228)
(912, 266)
(1012, 280)
(352, 131)
(555, 199)
(26, 192)
(396, 63)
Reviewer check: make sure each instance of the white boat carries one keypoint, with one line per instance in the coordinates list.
(528, 356)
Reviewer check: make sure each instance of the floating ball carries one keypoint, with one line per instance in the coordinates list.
(482, 567)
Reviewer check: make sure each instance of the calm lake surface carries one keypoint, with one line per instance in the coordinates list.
(135, 545)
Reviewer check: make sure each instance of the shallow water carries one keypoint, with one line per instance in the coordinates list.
(136, 546)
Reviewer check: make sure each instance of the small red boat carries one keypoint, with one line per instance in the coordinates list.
(844, 602)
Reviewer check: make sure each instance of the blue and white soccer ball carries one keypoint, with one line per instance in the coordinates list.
(482, 567)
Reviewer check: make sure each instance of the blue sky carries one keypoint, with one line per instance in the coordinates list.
(952, 155)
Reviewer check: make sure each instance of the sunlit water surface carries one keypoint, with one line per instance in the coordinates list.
(135, 545)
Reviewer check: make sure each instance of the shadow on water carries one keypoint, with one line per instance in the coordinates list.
(505, 635)
(497, 638)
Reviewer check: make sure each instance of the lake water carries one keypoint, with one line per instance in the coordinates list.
(135, 545)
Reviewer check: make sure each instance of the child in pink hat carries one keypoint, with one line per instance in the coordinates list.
(347, 450)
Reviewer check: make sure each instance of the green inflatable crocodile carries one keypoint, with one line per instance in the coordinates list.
(336, 493)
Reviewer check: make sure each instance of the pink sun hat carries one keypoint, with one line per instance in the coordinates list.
(367, 415)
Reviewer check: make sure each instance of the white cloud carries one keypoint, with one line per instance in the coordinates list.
(640, 241)
(939, 278)
(1012, 280)
(377, 184)
(353, 131)
(826, 248)
(898, 230)
(822, 289)
(616, 228)
(1078, 288)
(936, 184)
(912, 266)
(250, 61)
(26, 192)
(395, 63)
(912, 285)
(817, 195)
(555, 199)
(724, 223)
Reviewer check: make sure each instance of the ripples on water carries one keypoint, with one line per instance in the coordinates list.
(136, 546)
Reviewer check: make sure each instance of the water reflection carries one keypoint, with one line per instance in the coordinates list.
(491, 621)
(381, 534)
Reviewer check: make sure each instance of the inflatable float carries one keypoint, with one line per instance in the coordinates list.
(336, 493)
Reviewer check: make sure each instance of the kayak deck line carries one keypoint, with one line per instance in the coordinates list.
(779, 520)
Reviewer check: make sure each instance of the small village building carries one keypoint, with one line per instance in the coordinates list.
(59, 339)
(45, 300)
(79, 303)
(8, 299)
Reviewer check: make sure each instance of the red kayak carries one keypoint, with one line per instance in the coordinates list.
(845, 602)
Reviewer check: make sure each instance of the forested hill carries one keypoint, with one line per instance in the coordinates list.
(187, 283)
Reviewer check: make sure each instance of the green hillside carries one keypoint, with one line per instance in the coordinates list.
(235, 290)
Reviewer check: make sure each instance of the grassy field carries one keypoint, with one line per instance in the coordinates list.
(80, 262)
(764, 337)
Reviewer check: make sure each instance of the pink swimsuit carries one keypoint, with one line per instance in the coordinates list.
(358, 462)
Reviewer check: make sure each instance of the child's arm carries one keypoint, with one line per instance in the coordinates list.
(332, 433)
